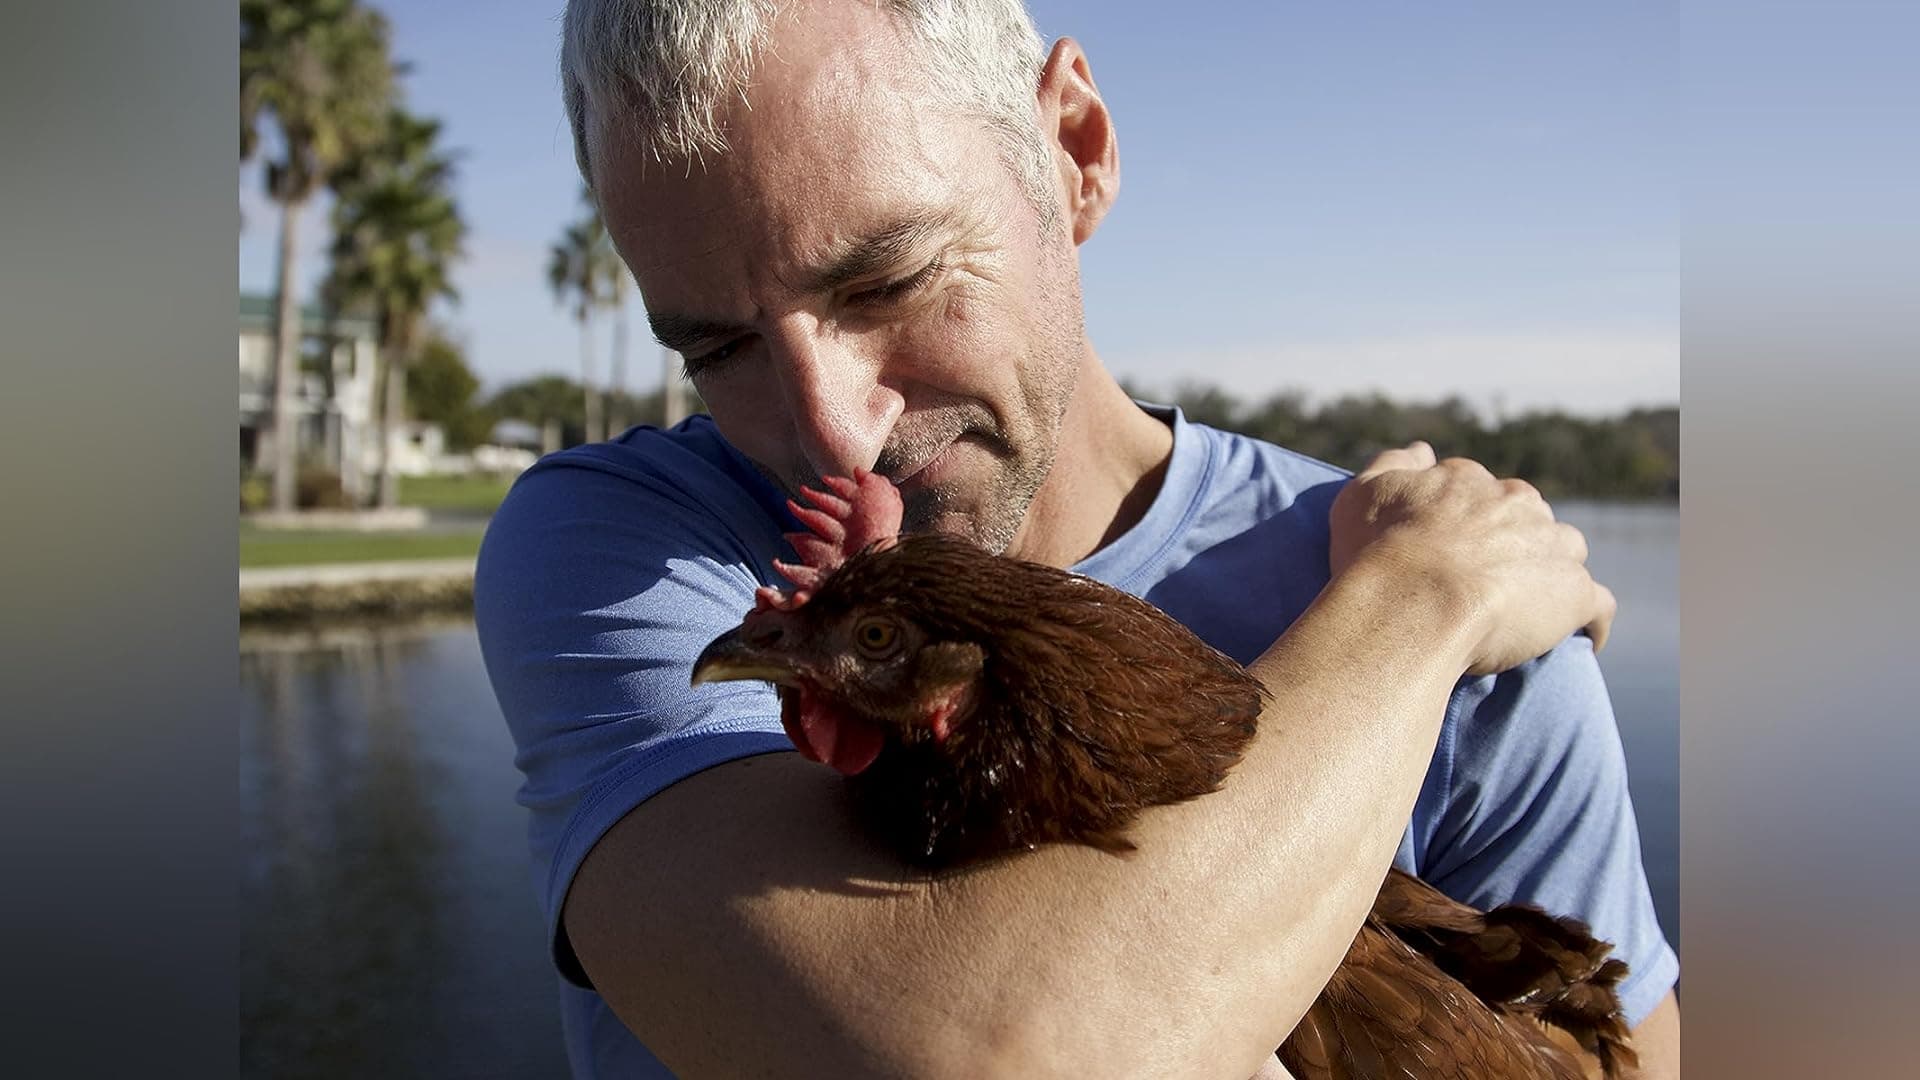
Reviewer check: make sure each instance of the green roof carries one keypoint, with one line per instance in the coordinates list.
(256, 311)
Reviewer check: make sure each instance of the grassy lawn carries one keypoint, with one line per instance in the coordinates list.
(261, 548)
(478, 492)
(477, 495)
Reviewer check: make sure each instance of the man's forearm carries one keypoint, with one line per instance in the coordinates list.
(1248, 899)
(1657, 1041)
(797, 942)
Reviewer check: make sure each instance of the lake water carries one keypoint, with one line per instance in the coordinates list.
(388, 926)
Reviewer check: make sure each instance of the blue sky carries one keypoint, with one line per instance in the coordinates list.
(1474, 198)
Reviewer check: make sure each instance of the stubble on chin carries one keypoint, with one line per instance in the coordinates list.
(988, 515)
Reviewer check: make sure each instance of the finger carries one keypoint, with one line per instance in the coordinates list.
(1466, 466)
(1520, 488)
(1527, 496)
(1602, 624)
(1572, 541)
(1415, 455)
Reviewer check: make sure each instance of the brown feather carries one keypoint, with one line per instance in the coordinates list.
(1092, 705)
(1089, 705)
(1434, 988)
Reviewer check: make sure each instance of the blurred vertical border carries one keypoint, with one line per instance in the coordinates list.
(117, 586)
(1801, 387)
(1801, 379)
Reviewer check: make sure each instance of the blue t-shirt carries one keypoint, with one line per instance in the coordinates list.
(609, 567)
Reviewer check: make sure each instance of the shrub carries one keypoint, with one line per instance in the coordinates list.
(256, 491)
(319, 489)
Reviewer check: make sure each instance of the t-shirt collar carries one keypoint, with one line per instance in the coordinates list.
(1135, 552)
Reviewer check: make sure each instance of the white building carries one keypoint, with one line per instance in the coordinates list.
(336, 431)
(419, 448)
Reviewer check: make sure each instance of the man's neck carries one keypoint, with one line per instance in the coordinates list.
(1111, 461)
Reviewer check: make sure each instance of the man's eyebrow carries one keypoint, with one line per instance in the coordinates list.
(684, 332)
(857, 260)
(879, 252)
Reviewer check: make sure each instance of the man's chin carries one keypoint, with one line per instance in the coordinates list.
(968, 496)
(951, 517)
(927, 510)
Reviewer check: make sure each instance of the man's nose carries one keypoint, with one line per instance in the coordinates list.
(840, 408)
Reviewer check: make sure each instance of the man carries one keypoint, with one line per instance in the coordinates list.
(858, 223)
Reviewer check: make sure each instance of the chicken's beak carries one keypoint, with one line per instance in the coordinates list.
(743, 653)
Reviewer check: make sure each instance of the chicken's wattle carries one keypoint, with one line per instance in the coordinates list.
(825, 734)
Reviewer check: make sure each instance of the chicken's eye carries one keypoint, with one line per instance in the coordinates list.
(876, 637)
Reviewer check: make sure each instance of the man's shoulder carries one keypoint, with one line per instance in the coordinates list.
(689, 463)
(1251, 483)
(1239, 516)
(1254, 491)
(1268, 461)
(605, 523)
(686, 478)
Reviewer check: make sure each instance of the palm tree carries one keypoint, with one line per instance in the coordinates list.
(613, 296)
(320, 68)
(582, 270)
(673, 390)
(397, 234)
(615, 273)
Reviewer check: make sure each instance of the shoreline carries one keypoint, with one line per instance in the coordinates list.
(414, 586)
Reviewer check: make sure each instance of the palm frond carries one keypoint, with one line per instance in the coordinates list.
(397, 229)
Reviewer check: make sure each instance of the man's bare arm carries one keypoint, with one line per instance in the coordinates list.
(740, 924)
(1657, 1041)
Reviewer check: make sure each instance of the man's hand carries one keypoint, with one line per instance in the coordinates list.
(1519, 575)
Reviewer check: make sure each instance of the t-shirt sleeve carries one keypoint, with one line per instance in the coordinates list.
(599, 582)
(1538, 812)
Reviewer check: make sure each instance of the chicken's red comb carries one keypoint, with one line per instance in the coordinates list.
(843, 520)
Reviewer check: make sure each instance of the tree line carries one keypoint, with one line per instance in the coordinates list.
(445, 391)
(1633, 455)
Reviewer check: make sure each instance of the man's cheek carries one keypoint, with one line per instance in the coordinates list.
(758, 429)
(961, 342)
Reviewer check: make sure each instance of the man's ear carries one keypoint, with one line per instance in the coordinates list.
(1085, 151)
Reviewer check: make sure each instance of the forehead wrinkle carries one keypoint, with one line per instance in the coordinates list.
(843, 166)
(676, 327)
(840, 112)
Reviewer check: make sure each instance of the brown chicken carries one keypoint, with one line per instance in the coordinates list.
(981, 705)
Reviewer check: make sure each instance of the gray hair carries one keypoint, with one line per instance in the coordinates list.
(662, 68)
